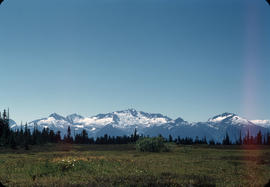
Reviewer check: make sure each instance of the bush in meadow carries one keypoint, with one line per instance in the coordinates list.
(155, 144)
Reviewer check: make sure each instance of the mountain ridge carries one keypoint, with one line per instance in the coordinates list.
(152, 124)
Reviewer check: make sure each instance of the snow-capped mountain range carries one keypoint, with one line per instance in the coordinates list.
(124, 123)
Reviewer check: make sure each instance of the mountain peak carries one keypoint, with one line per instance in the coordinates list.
(129, 110)
(230, 118)
(73, 117)
(227, 114)
(179, 120)
(133, 112)
(57, 116)
(222, 117)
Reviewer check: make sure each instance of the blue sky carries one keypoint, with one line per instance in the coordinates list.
(183, 58)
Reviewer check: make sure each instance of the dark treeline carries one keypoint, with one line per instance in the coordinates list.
(23, 137)
(259, 139)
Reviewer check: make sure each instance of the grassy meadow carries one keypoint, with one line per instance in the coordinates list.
(123, 165)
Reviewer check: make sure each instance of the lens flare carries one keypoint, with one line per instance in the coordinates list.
(251, 59)
(251, 81)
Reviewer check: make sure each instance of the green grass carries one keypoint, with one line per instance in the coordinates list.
(122, 165)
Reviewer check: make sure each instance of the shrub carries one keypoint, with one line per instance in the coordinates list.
(66, 165)
(151, 145)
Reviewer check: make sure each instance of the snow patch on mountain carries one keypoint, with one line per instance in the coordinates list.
(74, 117)
(94, 121)
(132, 117)
(230, 118)
(262, 123)
(220, 118)
(240, 121)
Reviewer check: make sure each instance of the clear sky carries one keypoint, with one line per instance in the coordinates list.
(183, 58)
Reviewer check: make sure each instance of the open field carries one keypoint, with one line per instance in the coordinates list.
(122, 165)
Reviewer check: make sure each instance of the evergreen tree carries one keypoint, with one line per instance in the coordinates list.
(26, 137)
(84, 137)
(248, 138)
(204, 141)
(268, 138)
(212, 142)
(13, 143)
(197, 141)
(58, 137)
(259, 138)
(226, 140)
(170, 138)
(135, 136)
(240, 138)
(68, 138)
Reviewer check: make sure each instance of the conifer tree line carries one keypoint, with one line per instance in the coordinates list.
(23, 137)
(259, 139)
